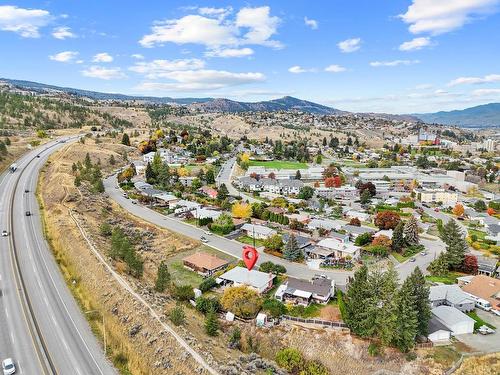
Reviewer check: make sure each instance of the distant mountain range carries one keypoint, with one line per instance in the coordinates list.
(487, 115)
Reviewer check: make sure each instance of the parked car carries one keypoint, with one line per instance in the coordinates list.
(423, 253)
(412, 259)
(5, 233)
(208, 233)
(28, 213)
(485, 330)
(8, 366)
(495, 311)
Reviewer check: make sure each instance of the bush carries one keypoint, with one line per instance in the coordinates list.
(205, 305)
(363, 239)
(235, 339)
(211, 324)
(207, 284)
(274, 307)
(290, 359)
(378, 250)
(314, 368)
(267, 267)
(182, 292)
(411, 356)
(374, 349)
(177, 315)
(105, 229)
(241, 301)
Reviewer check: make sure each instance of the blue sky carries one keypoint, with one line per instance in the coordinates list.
(381, 56)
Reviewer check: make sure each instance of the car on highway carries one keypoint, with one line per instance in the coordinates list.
(423, 253)
(5, 233)
(203, 239)
(8, 366)
(38, 156)
(28, 213)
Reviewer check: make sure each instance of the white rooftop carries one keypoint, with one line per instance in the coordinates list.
(450, 316)
(240, 275)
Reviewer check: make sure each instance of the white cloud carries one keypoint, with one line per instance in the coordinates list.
(377, 64)
(160, 68)
(230, 52)
(62, 33)
(102, 72)
(66, 56)
(349, 45)
(415, 44)
(25, 22)
(137, 56)
(441, 16)
(423, 86)
(475, 80)
(194, 80)
(313, 24)
(215, 12)
(486, 92)
(250, 26)
(334, 68)
(102, 57)
(296, 69)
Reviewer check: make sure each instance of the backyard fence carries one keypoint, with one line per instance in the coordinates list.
(315, 321)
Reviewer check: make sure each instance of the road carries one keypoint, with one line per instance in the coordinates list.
(433, 248)
(441, 216)
(225, 176)
(222, 244)
(41, 325)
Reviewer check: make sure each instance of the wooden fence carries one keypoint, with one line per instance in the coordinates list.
(315, 321)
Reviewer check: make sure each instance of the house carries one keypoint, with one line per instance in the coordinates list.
(305, 244)
(276, 210)
(450, 295)
(205, 264)
(205, 213)
(166, 199)
(493, 233)
(259, 281)
(301, 218)
(355, 231)
(336, 249)
(343, 192)
(208, 191)
(326, 224)
(486, 288)
(291, 187)
(182, 206)
(304, 292)
(186, 180)
(361, 216)
(438, 332)
(271, 185)
(486, 266)
(454, 320)
(384, 232)
(258, 231)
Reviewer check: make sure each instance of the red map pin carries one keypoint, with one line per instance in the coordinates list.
(250, 256)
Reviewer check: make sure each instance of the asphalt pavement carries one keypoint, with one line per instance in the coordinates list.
(69, 341)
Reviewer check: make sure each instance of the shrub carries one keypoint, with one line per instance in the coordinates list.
(207, 284)
(374, 349)
(411, 356)
(363, 239)
(177, 315)
(241, 301)
(274, 307)
(105, 229)
(235, 339)
(271, 267)
(204, 305)
(290, 359)
(314, 368)
(378, 250)
(211, 324)
(182, 292)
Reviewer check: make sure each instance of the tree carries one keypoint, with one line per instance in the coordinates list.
(274, 242)
(406, 318)
(210, 176)
(125, 139)
(367, 186)
(157, 164)
(355, 302)
(458, 210)
(439, 266)
(398, 242)
(382, 240)
(241, 301)
(162, 277)
(207, 284)
(211, 324)
(292, 251)
(306, 192)
(470, 265)
(241, 210)
(112, 160)
(182, 292)
(177, 315)
(387, 219)
(410, 231)
(491, 211)
(363, 239)
(365, 197)
(355, 222)
(420, 291)
(274, 307)
(319, 159)
(222, 192)
(205, 305)
(480, 206)
(290, 359)
(149, 174)
(456, 245)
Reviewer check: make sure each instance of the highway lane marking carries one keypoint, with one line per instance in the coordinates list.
(39, 250)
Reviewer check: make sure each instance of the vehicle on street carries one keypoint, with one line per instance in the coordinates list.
(412, 259)
(485, 330)
(8, 366)
(26, 191)
(5, 233)
(436, 209)
(125, 195)
(134, 201)
(28, 213)
(203, 239)
(423, 253)
(13, 167)
(495, 311)
(208, 233)
(483, 304)
(38, 156)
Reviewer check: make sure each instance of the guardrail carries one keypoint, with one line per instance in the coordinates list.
(315, 321)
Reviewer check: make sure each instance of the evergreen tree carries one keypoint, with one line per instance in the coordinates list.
(7, 141)
(112, 160)
(87, 162)
(450, 230)
(162, 277)
(150, 174)
(157, 163)
(439, 266)
(406, 326)
(398, 241)
(456, 245)
(382, 304)
(292, 251)
(365, 197)
(211, 324)
(3, 148)
(298, 175)
(125, 139)
(324, 142)
(222, 192)
(421, 294)
(210, 176)
(410, 231)
(356, 307)
(164, 176)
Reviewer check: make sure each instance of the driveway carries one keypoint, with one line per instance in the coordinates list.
(484, 343)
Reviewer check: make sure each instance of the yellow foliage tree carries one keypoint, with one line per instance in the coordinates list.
(182, 172)
(241, 301)
(241, 210)
(458, 210)
(245, 157)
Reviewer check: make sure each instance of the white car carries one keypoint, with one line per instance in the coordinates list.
(485, 330)
(5, 233)
(8, 366)
(203, 239)
(208, 233)
(495, 311)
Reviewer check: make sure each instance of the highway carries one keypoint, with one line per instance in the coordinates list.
(41, 325)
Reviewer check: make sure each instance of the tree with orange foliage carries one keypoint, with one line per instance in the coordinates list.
(491, 211)
(387, 219)
(355, 221)
(329, 182)
(458, 210)
(382, 241)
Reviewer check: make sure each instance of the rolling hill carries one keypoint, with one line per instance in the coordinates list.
(486, 115)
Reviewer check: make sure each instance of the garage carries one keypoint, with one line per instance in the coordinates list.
(454, 320)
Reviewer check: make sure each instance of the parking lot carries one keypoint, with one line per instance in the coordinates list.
(484, 343)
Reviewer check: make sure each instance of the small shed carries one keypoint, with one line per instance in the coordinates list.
(261, 320)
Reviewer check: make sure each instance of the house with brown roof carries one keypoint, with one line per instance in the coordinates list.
(485, 287)
(208, 191)
(205, 264)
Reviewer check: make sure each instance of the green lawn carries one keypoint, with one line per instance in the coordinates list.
(311, 311)
(250, 241)
(449, 279)
(479, 322)
(400, 257)
(479, 234)
(278, 164)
